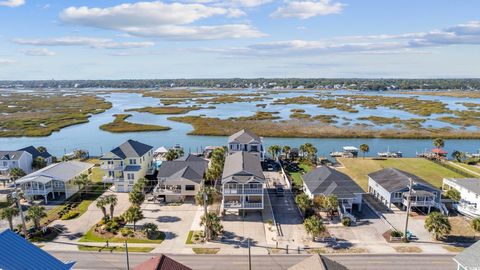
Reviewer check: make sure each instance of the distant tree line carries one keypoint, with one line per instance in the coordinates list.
(316, 83)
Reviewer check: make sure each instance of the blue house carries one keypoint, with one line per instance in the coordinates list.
(18, 253)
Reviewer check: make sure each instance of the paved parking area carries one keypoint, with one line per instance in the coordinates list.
(415, 224)
(174, 221)
(238, 228)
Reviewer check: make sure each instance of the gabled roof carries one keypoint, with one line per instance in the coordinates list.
(18, 253)
(243, 166)
(190, 168)
(161, 262)
(327, 181)
(62, 171)
(244, 136)
(469, 258)
(393, 179)
(318, 262)
(129, 149)
(11, 155)
(471, 184)
(35, 153)
(439, 151)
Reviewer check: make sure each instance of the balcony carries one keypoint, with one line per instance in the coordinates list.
(245, 205)
(111, 167)
(110, 179)
(235, 191)
(33, 192)
(420, 203)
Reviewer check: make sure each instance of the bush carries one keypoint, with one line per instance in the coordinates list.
(112, 227)
(347, 222)
(396, 234)
(476, 224)
(126, 232)
(70, 215)
(119, 219)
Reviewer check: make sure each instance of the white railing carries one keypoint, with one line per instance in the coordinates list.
(111, 167)
(419, 203)
(253, 205)
(232, 205)
(32, 192)
(243, 191)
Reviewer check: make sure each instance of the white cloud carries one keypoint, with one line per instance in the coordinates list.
(248, 3)
(12, 3)
(98, 43)
(6, 61)
(158, 19)
(38, 52)
(462, 34)
(307, 9)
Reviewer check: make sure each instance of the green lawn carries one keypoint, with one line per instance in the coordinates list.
(359, 168)
(297, 176)
(205, 250)
(470, 167)
(115, 249)
(97, 173)
(91, 236)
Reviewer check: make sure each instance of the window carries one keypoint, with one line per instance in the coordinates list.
(190, 187)
(130, 176)
(133, 161)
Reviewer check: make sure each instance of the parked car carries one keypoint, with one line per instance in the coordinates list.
(280, 191)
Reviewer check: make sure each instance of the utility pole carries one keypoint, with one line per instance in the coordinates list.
(19, 205)
(405, 238)
(126, 251)
(205, 208)
(249, 256)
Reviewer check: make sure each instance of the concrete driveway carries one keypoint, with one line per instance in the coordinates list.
(174, 221)
(238, 228)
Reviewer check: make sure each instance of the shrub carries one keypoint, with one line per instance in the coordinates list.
(476, 224)
(126, 232)
(70, 215)
(347, 222)
(119, 219)
(396, 234)
(112, 227)
(150, 230)
(270, 222)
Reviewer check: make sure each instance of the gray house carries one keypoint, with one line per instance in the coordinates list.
(246, 141)
(391, 185)
(325, 181)
(469, 259)
(243, 182)
(180, 179)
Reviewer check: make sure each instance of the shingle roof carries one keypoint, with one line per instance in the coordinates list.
(35, 153)
(393, 179)
(242, 165)
(244, 136)
(161, 262)
(190, 167)
(18, 253)
(327, 181)
(318, 262)
(62, 171)
(471, 184)
(128, 149)
(469, 258)
(11, 155)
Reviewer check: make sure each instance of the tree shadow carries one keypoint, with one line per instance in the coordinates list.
(168, 219)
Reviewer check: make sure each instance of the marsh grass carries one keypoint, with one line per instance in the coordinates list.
(119, 125)
(169, 110)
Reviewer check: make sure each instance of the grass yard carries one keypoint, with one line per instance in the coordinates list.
(91, 236)
(453, 248)
(115, 249)
(408, 249)
(205, 250)
(297, 176)
(469, 167)
(359, 168)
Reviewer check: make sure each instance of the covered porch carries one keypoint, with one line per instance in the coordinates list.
(42, 186)
(419, 198)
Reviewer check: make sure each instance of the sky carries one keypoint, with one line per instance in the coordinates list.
(127, 39)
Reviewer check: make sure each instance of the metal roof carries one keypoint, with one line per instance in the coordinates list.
(471, 184)
(393, 179)
(240, 164)
(35, 153)
(244, 136)
(18, 253)
(327, 181)
(469, 258)
(11, 155)
(190, 167)
(63, 171)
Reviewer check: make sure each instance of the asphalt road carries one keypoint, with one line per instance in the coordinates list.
(101, 261)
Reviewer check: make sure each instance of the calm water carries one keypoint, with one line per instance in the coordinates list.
(89, 136)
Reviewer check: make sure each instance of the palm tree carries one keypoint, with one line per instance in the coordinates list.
(212, 194)
(439, 143)
(42, 149)
(274, 150)
(36, 213)
(213, 224)
(39, 163)
(136, 197)
(309, 150)
(133, 214)
(453, 195)
(84, 181)
(303, 201)
(171, 155)
(437, 224)
(150, 229)
(314, 226)
(476, 224)
(458, 156)
(330, 204)
(16, 173)
(365, 149)
(113, 201)
(286, 151)
(101, 204)
(140, 185)
(9, 213)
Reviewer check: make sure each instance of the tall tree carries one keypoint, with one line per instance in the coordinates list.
(314, 226)
(303, 201)
(214, 226)
(83, 182)
(9, 213)
(36, 213)
(171, 154)
(365, 149)
(453, 195)
(274, 150)
(458, 156)
(16, 173)
(101, 204)
(42, 149)
(330, 204)
(136, 197)
(286, 151)
(212, 194)
(438, 225)
(133, 214)
(439, 143)
(112, 200)
(39, 163)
